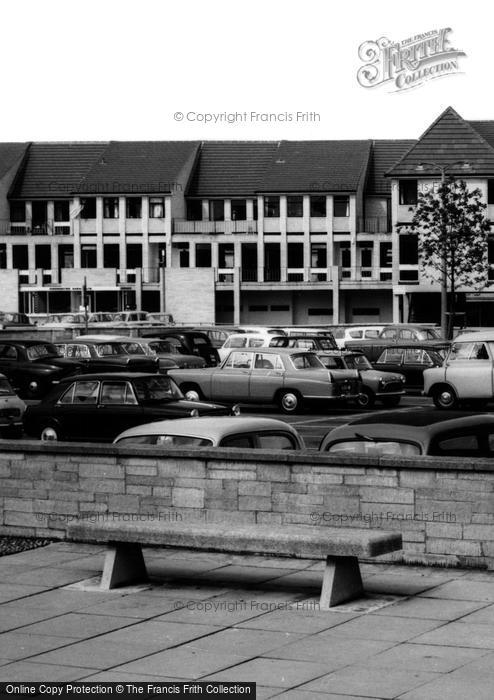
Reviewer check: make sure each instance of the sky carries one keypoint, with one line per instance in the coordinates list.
(157, 70)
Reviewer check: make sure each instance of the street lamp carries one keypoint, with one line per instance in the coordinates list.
(443, 169)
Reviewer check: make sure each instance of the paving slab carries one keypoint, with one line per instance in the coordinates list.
(271, 672)
(460, 634)
(22, 671)
(78, 625)
(436, 609)
(380, 628)
(464, 589)
(302, 620)
(246, 642)
(423, 657)
(22, 645)
(158, 635)
(448, 688)
(13, 591)
(332, 652)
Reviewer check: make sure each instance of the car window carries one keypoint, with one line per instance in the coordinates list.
(117, 393)
(413, 356)
(156, 388)
(263, 362)
(306, 361)
(468, 351)
(357, 362)
(407, 334)
(255, 342)
(133, 348)
(276, 442)
(236, 342)
(432, 334)
(237, 441)
(165, 441)
(8, 351)
(305, 343)
(240, 360)
(279, 343)
(391, 356)
(78, 351)
(355, 334)
(460, 445)
(5, 388)
(371, 333)
(375, 448)
(389, 333)
(83, 392)
(332, 362)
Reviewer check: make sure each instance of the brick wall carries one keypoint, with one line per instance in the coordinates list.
(444, 507)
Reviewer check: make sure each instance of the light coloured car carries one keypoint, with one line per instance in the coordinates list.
(413, 433)
(286, 377)
(236, 341)
(343, 334)
(241, 431)
(467, 374)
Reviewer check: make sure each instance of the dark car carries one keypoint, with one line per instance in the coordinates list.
(188, 342)
(100, 406)
(400, 334)
(411, 361)
(410, 433)
(32, 366)
(99, 353)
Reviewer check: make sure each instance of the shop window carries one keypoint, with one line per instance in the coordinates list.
(318, 206)
(133, 207)
(408, 192)
(341, 205)
(110, 208)
(156, 208)
(294, 206)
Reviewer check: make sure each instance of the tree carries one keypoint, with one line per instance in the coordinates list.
(452, 239)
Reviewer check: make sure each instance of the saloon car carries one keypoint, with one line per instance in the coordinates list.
(410, 433)
(403, 334)
(410, 361)
(245, 432)
(285, 377)
(11, 409)
(100, 406)
(33, 366)
(101, 353)
(187, 342)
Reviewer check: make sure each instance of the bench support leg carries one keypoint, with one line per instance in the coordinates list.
(124, 564)
(341, 581)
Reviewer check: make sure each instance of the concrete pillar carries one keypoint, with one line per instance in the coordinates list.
(396, 308)
(76, 228)
(260, 239)
(336, 294)
(406, 308)
(228, 209)
(121, 241)
(236, 296)
(29, 215)
(99, 233)
(50, 216)
(205, 210)
(138, 288)
(250, 209)
(192, 254)
(31, 263)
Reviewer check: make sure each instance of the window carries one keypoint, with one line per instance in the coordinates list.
(390, 334)
(280, 307)
(258, 307)
(133, 207)
(216, 210)
(408, 192)
(295, 255)
(226, 254)
(203, 255)
(306, 361)
(17, 211)
(263, 362)
(237, 441)
(392, 356)
(341, 205)
(118, 393)
(156, 208)
(194, 210)
(271, 207)
(62, 211)
(81, 393)
(80, 352)
(239, 209)
(385, 255)
(88, 256)
(374, 448)
(110, 208)
(42, 257)
(88, 210)
(275, 442)
(468, 351)
(322, 311)
(460, 445)
(20, 257)
(365, 311)
(318, 205)
(111, 255)
(318, 255)
(409, 251)
(417, 356)
(240, 360)
(295, 206)
(134, 255)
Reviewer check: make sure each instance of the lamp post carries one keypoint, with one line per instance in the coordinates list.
(443, 169)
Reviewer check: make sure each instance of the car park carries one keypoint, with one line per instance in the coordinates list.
(410, 361)
(412, 433)
(99, 406)
(12, 409)
(187, 342)
(245, 432)
(403, 334)
(467, 374)
(288, 378)
(99, 353)
(33, 366)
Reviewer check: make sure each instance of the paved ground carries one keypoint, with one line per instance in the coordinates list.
(420, 634)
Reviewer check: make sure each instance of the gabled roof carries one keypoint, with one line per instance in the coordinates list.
(54, 170)
(231, 168)
(485, 129)
(317, 166)
(385, 154)
(127, 167)
(10, 154)
(448, 140)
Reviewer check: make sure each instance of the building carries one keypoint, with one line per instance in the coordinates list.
(292, 232)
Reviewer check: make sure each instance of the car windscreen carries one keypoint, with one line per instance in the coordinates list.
(375, 447)
(306, 360)
(166, 441)
(156, 389)
(5, 388)
(36, 352)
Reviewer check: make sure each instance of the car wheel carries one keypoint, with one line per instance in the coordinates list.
(366, 398)
(192, 392)
(290, 401)
(49, 434)
(390, 401)
(445, 398)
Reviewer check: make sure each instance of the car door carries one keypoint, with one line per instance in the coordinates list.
(415, 360)
(469, 369)
(76, 410)
(12, 366)
(391, 360)
(118, 408)
(231, 382)
(266, 377)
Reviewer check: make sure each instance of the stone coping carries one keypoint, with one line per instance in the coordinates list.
(302, 457)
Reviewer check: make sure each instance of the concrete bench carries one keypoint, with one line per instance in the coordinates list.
(340, 547)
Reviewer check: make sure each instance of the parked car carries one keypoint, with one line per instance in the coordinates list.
(402, 334)
(187, 342)
(386, 387)
(217, 334)
(301, 331)
(100, 353)
(342, 334)
(411, 361)
(32, 366)
(243, 340)
(100, 406)
(318, 343)
(245, 432)
(281, 376)
(269, 330)
(12, 409)
(161, 318)
(467, 373)
(13, 320)
(410, 433)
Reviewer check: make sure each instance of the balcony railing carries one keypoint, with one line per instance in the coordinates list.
(365, 274)
(374, 224)
(49, 228)
(209, 227)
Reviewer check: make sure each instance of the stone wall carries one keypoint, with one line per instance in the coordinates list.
(444, 507)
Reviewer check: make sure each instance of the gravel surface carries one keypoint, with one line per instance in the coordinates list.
(13, 545)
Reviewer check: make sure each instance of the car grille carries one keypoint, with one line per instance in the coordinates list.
(392, 386)
(10, 412)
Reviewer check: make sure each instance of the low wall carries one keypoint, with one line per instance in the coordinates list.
(444, 507)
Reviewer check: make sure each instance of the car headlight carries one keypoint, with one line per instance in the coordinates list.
(236, 410)
(194, 413)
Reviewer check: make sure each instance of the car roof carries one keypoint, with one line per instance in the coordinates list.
(111, 375)
(273, 351)
(103, 338)
(210, 427)
(434, 347)
(476, 336)
(26, 341)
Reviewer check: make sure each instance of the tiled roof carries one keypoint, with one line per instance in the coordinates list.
(485, 129)
(127, 167)
(317, 166)
(231, 168)
(10, 154)
(55, 169)
(448, 140)
(385, 154)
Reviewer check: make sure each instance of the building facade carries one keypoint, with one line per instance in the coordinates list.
(290, 232)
